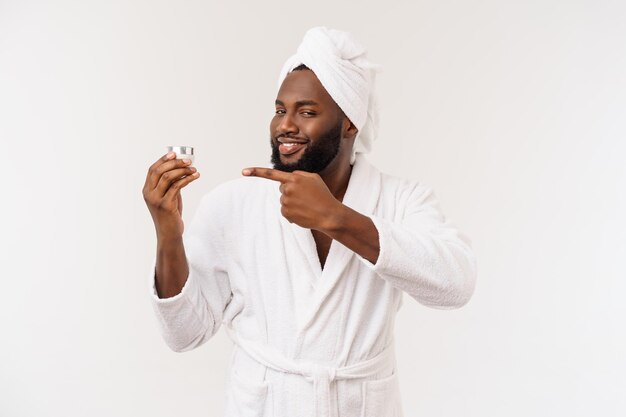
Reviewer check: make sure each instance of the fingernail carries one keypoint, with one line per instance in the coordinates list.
(246, 172)
(170, 155)
(187, 161)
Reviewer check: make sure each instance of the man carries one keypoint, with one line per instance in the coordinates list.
(305, 264)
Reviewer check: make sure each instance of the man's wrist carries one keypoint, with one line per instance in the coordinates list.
(167, 240)
(336, 220)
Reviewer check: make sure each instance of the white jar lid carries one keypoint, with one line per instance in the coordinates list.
(181, 150)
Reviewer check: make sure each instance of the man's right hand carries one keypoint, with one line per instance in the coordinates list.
(161, 192)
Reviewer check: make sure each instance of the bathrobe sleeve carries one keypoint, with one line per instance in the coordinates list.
(191, 317)
(424, 254)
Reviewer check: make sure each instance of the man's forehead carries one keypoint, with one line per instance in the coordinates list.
(303, 85)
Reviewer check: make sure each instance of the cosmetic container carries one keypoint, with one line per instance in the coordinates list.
(182, 152)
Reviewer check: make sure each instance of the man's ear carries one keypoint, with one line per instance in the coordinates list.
(349, 128)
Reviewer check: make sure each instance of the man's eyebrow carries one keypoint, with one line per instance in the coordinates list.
(299, 103)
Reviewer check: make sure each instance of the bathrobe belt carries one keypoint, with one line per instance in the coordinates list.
(321, 376)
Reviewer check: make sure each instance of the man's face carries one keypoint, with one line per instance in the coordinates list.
(306, 129)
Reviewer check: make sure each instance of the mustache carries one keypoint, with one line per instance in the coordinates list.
(289, 137)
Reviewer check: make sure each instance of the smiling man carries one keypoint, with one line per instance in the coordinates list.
(305, 264)
(320, 118)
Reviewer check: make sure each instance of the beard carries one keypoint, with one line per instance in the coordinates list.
(316, 156)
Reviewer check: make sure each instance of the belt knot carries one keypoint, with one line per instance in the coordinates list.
(322, 373)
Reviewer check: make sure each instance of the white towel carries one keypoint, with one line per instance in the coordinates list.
(341, 65)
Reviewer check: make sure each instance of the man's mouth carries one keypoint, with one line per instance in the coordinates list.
(290, 146)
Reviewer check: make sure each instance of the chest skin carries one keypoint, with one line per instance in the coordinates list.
(322, 243)
(322, 240)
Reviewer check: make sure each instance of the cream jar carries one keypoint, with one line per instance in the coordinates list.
(182, 152)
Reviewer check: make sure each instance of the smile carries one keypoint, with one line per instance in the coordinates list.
(290, 148)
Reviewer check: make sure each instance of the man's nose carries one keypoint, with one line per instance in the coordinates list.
(286, 125)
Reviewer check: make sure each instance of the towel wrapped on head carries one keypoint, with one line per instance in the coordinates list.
(340, 63)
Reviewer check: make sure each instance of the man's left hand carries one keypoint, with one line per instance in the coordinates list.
(305, 199)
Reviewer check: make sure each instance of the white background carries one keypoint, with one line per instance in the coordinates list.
(513, 111)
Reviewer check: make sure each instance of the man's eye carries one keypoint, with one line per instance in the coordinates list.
(280, 111)
(308, 113)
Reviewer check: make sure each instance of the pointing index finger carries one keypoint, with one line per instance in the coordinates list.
(269, 173)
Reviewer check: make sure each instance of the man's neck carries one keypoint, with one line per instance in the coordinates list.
(336, 178)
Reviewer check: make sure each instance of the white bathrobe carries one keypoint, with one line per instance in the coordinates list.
(312, 341)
